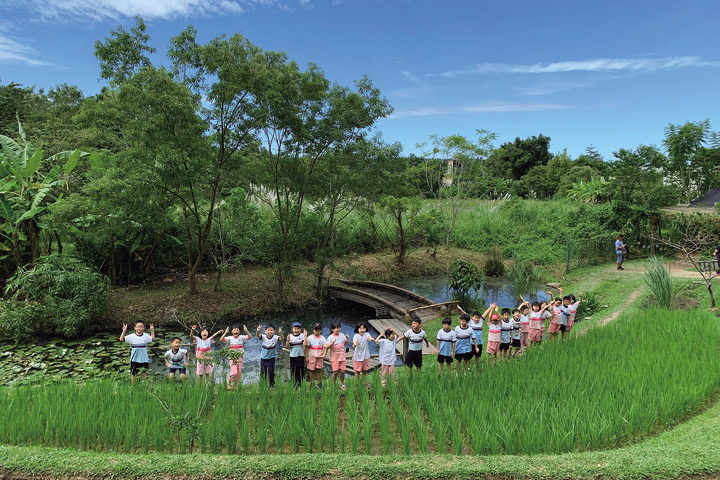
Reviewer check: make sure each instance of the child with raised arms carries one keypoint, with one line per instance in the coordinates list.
(314, 349)
(476, 323)
(524, 326)
(415, 336)
(494, 337)
(387, 345)
(572, 310)
(270, 344)
(177, 360)
(361, 354)
(465, 344)
(506, 327)
(202, 351)
(336, 346)
(297, 340)
(515, 339)
(537, 322)
(139, 360)
(236, 342)
(555, 316)
(445, 345)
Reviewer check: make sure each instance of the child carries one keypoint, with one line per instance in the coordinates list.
(236, 343)
(506, 327)
(415, 336)
(476, 323)
(555, 317)
(524, 326)
(537, 322)
(572, 310)
(269, 343)
(139, 361)
(177, 359)
(545, 307)
(465, 344)
(204, 345)
(494, 337)
(297, 341)
(445, 345)
(515, 339)
(314, 354)
(336, 345)
(361, 354)
(387, 343)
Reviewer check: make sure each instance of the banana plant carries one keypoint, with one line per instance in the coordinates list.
(28, 184)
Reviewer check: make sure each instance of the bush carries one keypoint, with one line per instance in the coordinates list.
(523, 276)
(494, 266)
(57, 295)
(589, 305)
(464, 276)
(658, 279)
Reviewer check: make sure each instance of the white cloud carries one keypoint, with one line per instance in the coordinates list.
(549, 88)
(409, 76)
(97, 10)
(488, 107)
(595, 65)
(13, 51)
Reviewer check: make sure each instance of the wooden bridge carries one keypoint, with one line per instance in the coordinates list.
(389, 301)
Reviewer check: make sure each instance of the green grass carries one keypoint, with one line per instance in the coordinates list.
(557, 398)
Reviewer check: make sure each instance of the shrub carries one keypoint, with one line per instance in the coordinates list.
(494, 266)
(658, 279)
(589, 305)
(523, 276)
(58, 294)
(464, 276)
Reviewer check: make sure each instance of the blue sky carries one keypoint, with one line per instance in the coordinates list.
(611, 74)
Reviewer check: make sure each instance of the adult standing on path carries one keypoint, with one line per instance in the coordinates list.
(620, 251)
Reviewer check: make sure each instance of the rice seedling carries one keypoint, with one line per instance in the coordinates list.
(556, 398)
(658, 279)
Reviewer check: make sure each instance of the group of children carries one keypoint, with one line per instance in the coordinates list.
(510, 332)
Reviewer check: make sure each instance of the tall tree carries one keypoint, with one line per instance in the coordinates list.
(683, 144)
(513, 160)
(453, 185)
(124, 53)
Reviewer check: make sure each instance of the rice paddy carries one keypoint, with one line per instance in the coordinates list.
(615, 385)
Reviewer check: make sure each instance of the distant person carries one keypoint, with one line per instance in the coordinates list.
(139, 360)
(177, 360)
(515, 339)
(537, 322)
(716, 254)
(465, 344)
(620, 247)
(494, 337)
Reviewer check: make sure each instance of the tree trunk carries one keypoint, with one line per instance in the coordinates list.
(32, 233)
(192, 279)
(712, 297)
(59, 243)
(216, 288)
(18, 261)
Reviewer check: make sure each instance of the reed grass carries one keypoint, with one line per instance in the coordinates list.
(659, 281)
(612, 386)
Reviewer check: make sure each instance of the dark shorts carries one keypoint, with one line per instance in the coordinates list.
(515, 342)
(563, 328)
(136, 367)
(414, 358)
(463, 356)
(479, 351)
(504, 346)
(178, 370)
(444, 359)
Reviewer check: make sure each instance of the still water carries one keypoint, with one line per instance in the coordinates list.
(103, 353)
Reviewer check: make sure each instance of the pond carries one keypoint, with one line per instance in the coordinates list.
(102, 353)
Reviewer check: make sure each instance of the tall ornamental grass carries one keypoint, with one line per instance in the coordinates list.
(659, 281)
(616, 384)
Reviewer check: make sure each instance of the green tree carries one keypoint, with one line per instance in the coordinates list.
(683, 144)
(124, 53)
(513, 160)
(453, 185)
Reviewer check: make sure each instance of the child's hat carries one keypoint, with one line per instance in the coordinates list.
(297, 324)
(317, 326)
(494, 316)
